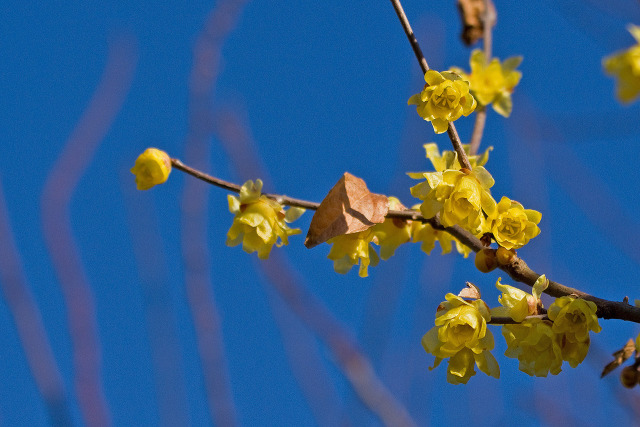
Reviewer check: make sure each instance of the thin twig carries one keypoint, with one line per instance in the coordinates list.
(451, 131)
(289, 201)
(457, 145)
(412, 38)
(518, 270)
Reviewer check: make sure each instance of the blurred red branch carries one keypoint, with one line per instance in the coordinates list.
(352, 362)
(161, 319)
(56, 197)
(28, 320)
(198, 281)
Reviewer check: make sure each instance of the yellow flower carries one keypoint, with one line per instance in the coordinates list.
(518, 304)
(444, 99)
(461, 334)
(351, 249)
(625, 66)
(493, 83)
(513, 225)
(573, 318)
(151, 168)
(461, 198)
(259, 222)
(393, 232)
(535, 345)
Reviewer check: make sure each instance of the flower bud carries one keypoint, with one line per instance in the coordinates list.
(504, 256)
(151, 168)
(486, 260)
(629, 376)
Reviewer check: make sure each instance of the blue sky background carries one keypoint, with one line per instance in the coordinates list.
(319, 89)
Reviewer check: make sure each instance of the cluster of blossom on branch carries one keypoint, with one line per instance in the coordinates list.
(540, 343)
(455, 196)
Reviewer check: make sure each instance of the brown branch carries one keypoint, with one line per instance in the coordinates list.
(457, 145)
(451, 131)
(518, 270)
(289, 201)
(404, 21)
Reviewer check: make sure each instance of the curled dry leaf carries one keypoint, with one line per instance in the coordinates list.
(472, 16)
(348, 208)
(471, 291)
(619, 357)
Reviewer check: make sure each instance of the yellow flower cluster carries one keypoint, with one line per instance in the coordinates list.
(151, 168)
(573, 319)
(348, 250)
(542, 345)
(492, 82)
(463, 198)
(259, 222)
(444, 99)
(536, 347)
(625, 66)
(461, 334)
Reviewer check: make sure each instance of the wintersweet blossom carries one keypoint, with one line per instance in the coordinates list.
(535, 345)
(518, 304)
(573, 319)
(393, 232)
(493, 82)
(513, 225)
(444, 99)
(348, 250)
(460, 197)
(460, 334)
(625, 66)
(259, 222)
(151, 168)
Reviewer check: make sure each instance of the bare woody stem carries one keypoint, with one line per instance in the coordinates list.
(285, 200)
(518, 270)
(451, 131)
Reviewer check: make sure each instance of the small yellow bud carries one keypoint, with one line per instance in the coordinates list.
(505, 256)
(151, 168)
(486, 260)
(629, 376)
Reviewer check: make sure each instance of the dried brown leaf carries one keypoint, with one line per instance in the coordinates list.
(348, 208)
(619, 357)
(471, 291)
(472, 14)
